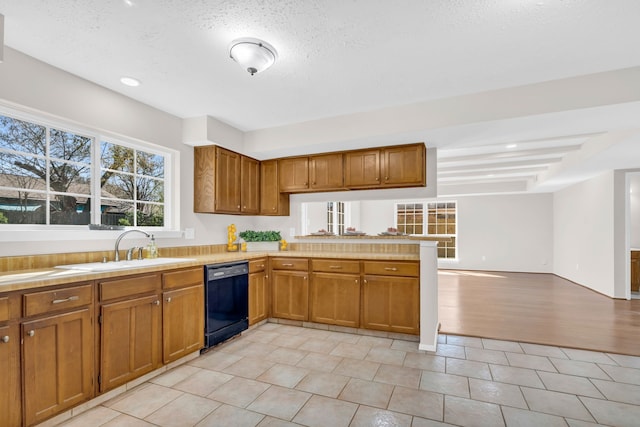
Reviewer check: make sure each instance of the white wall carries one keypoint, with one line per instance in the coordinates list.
(583, 237)
(511, 232)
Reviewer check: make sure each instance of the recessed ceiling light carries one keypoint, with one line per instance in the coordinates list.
(512, 145)
(128, 3)
(130, 81)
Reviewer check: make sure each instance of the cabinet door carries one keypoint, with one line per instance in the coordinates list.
(391, 304)
(258, 297)
(635, 271)
(362, 169)
(10, 397)
(335, 299)
(250, 185)
(293, 174)
(57, 364)
(227, 181)
(272, 201)
(404, 166)
(326, 172)
(130, 340)
(182, 322)
(290, 295)
(204, 167)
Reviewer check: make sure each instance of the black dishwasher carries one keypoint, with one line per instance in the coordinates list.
(226, 301)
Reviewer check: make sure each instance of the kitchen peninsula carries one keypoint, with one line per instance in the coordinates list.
(385, 287)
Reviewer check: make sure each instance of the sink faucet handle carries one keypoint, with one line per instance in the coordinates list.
(130, 253)
(140, 252)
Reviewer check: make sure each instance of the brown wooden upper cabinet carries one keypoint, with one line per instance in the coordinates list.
(396, 166)
(322, 172)
(225, 181)
(272, 201)
(293, 174)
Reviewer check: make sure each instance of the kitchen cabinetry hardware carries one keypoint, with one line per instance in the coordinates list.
(391, 269)
(5, 339)
(60, 301)
(156, 302)
(287, 265)
(169, 299)
(31, 333)
(335, 266)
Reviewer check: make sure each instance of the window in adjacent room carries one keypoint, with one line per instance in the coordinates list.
(440, 220)
(53, 174)
(335, 217)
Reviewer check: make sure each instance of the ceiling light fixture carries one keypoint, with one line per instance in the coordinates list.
(130, 81)
(253, 55)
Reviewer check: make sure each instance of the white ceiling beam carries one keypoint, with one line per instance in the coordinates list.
(443, 159)
(485, 172)
(500, 165)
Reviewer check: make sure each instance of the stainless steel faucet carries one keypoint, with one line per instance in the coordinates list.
(117, 254)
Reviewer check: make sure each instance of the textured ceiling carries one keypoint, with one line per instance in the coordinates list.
(336, 57)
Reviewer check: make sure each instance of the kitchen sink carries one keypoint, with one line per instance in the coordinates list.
(122, 265)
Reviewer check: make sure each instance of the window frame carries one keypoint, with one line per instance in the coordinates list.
(425, 223)
(46, 232)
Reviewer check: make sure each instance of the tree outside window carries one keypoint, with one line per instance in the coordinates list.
(47, 177)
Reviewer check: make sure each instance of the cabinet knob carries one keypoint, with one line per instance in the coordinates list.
(31, 333)
(169, 299)
(156, 302)
(378, 178)
(5, 338)
(238, 206)
(244, 207)
(364, 281)
(386, 178)
(273, 209)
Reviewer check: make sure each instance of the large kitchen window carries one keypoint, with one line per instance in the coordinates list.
(54, 174)
(431, 218)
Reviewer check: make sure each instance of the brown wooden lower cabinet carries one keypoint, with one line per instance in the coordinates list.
(335, 299)
(57, 363)
(10, 394)
(182, 322)
(391, 304)
(290, 294)
(258, 291)
(130, 340)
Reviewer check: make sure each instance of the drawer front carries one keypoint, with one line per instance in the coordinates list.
(4, 309)
(57, 299)
(183, 278)
(113, 289)
(392, 268)
(299, 264)
(335, 266)
(257, 265)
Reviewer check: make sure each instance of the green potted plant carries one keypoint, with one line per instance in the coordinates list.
(261, 240)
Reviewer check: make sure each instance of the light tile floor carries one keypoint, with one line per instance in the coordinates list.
(281, 375)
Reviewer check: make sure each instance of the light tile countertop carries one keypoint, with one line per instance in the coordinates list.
(36, 278)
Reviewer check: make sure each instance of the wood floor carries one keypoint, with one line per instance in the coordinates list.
(536, 308)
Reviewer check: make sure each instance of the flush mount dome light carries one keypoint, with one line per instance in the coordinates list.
(253, 55)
